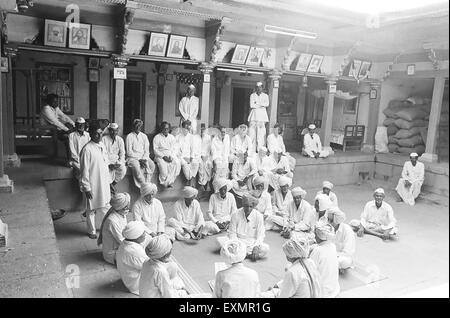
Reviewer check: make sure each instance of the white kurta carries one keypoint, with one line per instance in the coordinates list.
(220, 149)
(220, 210)
(313, 144)
(280, 204)
(251, 231)
(297, 283)
(116, 155)
(240, 171)
(324, 256)
(282, 164)
(155, 281)
(258, 105)
(189, 110)
(378, 219)
(205, 162)
(264, 204)
(345, 240)
(415, 175)
(76, 143)
(276, 144)
(95, 176)
(190, 217)
(130, 258)
(332, 196)
(138, 147)
(239, 144)
(112, 235)
(237, 281)
(152, 215)
(166, 146)
(188, 154)
(55, 117)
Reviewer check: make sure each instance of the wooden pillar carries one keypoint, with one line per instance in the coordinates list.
(119, 87)
(374, 107)
(217, 97)
(327, 116)
(301, 105)
(206, 70)
(93, 100)
(430, 154)
(274, 84)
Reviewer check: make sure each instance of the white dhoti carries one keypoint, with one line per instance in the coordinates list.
(408, 194)
(94, 218)
(76, 169)
(372, 226)
(322, 153)
(345, 261)
(275, 177)
(241, 190)
(141, 175)
(257, 133)
(263, 247)
(221, 168)
(205, 171)
(275, 222)
(118, 174)
(175, 228)
(168, 171)
(190, 170)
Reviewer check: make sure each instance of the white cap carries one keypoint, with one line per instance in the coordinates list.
(191, 86)
(379, 190)
(113, 126)
(80, 120)
(312, 126)
(259, 84)
(414, 154)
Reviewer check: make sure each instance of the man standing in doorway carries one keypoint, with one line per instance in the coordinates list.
(257, 119)
(189, 108)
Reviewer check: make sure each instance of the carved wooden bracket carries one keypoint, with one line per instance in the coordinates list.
(285, 63)
(128, 17)
(388, 71)
(217, 41)
(348, 56)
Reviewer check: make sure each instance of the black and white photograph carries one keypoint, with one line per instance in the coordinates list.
(256, 151)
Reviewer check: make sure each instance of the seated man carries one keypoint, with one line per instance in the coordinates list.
(377, 218)
(131, 255)
(326, 189)
(188, 154)
(52, 115)
(220, 150)
(164, 146)
(188, 222)
(77, 140)
(138, 150)
(280, 201)
(264, 205)
(264, 164)
(411, 181)
(150, 211)
(345, 238)
(247, 225)
(205, 164)
(112, 226)
(222, 205)
(244, 169)
(115, 148)
(312, 144)
(322, 203)
(324, 256)
(280, 167)
(241, 142)
(275, 143)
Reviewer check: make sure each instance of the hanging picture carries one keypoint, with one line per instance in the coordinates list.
(55, 33)
(176, 46)
(4, 64)
(240, 54)
(79, 36)
(94, 62)
(354, 70)
(303, 62)
(255, 56)
(158, 44)
(365, 67)
(316, 62)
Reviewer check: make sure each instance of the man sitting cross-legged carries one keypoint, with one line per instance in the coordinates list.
(326, 189)
(410, 183)
(321, 204)
(115, 148)
(188, 153)
(264, 205)
(244, 169)
(313, 145)
(205, 162)
(281, 198)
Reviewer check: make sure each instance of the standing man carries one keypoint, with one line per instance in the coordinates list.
(313, 145)
(95, 179)
(115, 148)
(257, 119)
(138, 150)
(188, 155)
(411, 181)
(77, 140)
(164, 146)
(189, 108)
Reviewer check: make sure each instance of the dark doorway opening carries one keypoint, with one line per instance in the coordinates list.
(133, 102)
(241, 105)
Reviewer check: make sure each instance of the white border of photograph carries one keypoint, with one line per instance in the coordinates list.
(354, 71)
(365, 66)
(234, 59)
(302, 64)
(311, 66)
(172, 40)
(48, 23)
(160, 35)
(259, 51)
(77, 26)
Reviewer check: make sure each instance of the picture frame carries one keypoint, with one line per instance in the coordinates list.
(315, 64)
(411, 69)
(350, 106)
(255, 56)
(373, 94)
(94, 63)
(158, 44)
(240, 54)
(176, 47)
(55, 33)
(93, 75)
(303, 62)
(364, 70)
(355, 67)
(80, 36)
(4, 64)
(332, 88)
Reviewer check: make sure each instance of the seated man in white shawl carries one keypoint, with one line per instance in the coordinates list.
(241, 143)
(275, 143)
(164, 146)
(280, 200)
(313, 145)
(222, 205)
(205, 164)
(242, 174)
(131, 255)
(138, 150)
(377, 219)
(188, 221)
(264, 164)
(237, 281)
(77, 140)
(188, 153)
(220, 150)
(410, 183)
(247, 225)
(345, 239)
(326, 189)
(115, 147)
(280, 167)
(264, 205)
(322, 203)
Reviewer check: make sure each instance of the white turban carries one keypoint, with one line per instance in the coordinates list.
(189, 192)
(120, 201)
(379, 190)
(283, 180)
(249, 199)
(80, 120)
(220, 183)
(312, 126)
(133, 230)
(234, 251)
(339, 216)
(324, 231)
(414, 154)
(191, 86)
(148, 188)
(259, 84)
(298, 191)
(327, 184)
(296, 248)
(324, 201)
(114, 126)
(158, 247)
(259, 180)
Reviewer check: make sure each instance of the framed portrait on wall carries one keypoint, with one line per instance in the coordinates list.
(176, 46)
(255, 56)
(94, 62)
(79, 36)
(158, 44)
(316, 62)
(373, 94)
(55, 33)
(303, 62)
(355, 67)
(240, 54)
(365, 67)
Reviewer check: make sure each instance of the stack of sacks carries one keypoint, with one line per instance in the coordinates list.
(407, 123)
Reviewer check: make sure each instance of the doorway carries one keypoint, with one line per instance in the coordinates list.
(133, 101)
(240, 105)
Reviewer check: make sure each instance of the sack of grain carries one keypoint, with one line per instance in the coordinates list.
(420, 149)
(396, 103)
(404, 124)
(381, 140)
(392, 148)
(406, 133)
(392, 140)
(388, 121)
(410, 142)
(392, 130)
(411, 113)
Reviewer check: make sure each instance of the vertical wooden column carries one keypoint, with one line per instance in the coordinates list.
(274, 85)
(119, 88)
(301, 105)
(206, 70)
(93, 100)
(374, 108)
(430, 154)
(327, 116)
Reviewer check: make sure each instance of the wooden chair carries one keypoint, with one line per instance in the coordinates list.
(353, 134)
